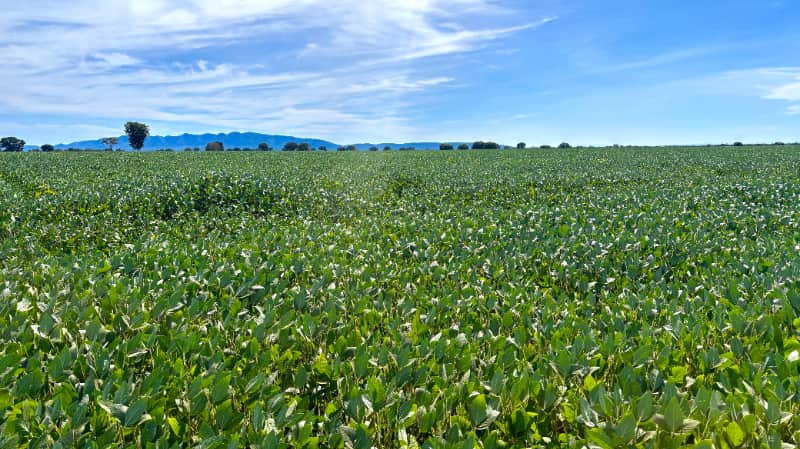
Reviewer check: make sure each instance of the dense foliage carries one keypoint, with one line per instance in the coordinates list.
(12, 144)
(545, 298)
(137, 133)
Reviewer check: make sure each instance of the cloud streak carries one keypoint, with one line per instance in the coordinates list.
(769, 83)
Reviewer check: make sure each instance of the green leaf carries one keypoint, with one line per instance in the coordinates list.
(135, 412)
(644, 407)
(30, 384)
(734, 435)
(174, 426)
(589, 383)
(672, 418)
(362, 439)
(477, 408)
(626, 429)
(220, 392)
(599, 438)
(118, 411)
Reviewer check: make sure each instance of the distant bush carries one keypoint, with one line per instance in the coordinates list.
(480, 145)
(215, 146)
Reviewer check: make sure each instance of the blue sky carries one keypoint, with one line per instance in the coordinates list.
(541, 71)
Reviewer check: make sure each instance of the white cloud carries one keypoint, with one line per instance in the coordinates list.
(769, 83)
(787, 92)
(349, 64)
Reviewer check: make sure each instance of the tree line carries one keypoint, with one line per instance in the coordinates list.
(139, 132)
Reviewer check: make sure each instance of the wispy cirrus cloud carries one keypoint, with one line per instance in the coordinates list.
(306, 66)
(768, 83)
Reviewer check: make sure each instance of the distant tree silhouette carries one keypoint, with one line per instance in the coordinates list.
(12, 144)
(110, 142)
(215, 146)
(137, 133)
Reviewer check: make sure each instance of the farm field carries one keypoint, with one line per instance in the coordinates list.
(605, 298)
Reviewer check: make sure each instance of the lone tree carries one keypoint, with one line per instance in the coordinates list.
(445, 146)
(110, 142)
(12, 144)
(463, 146)
(47, 147)
(137, 133)
(215, 146)
(290, 146)
(264, 147)
(521, 146)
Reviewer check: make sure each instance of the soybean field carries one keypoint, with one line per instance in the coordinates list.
(575, 298)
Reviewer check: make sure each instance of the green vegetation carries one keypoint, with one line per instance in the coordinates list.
(613, 298)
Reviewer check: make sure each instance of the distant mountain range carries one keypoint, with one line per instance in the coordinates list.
(234, 140)
(230, 140)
